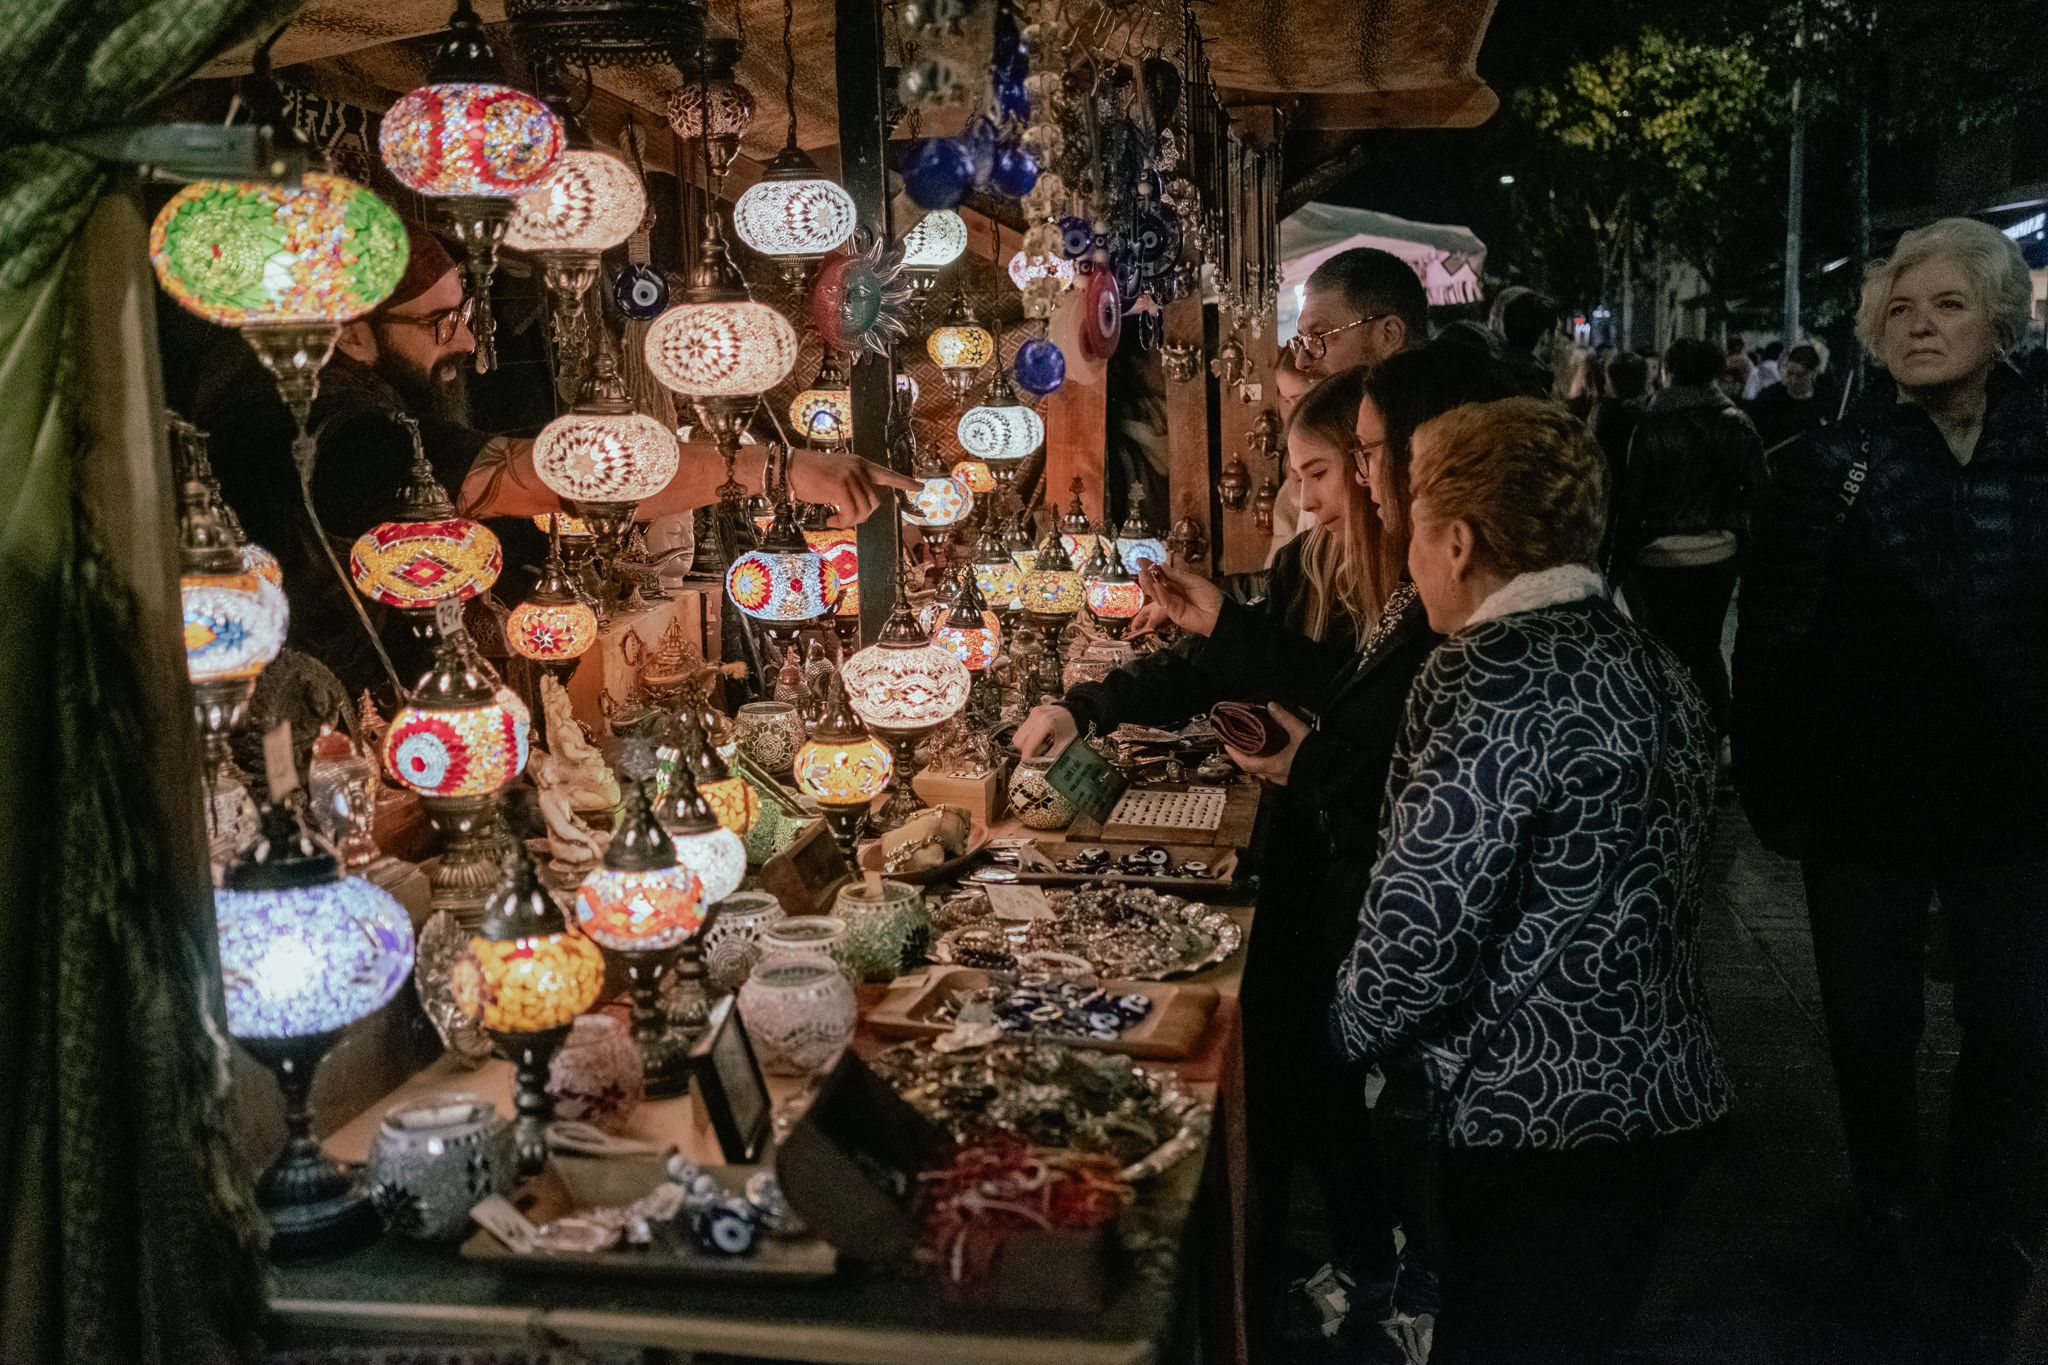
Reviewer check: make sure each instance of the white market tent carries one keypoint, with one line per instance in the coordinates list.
(1447, 258)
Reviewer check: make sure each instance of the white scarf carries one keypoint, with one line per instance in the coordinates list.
(1541, 588)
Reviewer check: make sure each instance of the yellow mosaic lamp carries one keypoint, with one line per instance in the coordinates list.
(823, 413)
(960, 346)
(426, 554)
(842, 767)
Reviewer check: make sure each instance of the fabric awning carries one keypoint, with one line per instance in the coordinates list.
(1448, 258)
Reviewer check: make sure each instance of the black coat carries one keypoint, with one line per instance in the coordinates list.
(1694, 465)
(1891, 676)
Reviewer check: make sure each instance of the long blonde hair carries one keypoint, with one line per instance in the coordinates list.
(1350, 567)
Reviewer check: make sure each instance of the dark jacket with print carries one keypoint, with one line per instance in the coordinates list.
(1891, 674)
(1553, 764)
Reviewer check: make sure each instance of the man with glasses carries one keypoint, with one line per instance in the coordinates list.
(1358, 308)
(411, 356)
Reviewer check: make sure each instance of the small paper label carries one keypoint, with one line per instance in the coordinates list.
(1018, 903)
(279, 771)
(447, 617)
(496, 1216)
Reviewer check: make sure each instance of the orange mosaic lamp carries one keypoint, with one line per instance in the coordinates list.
(1053, 588)
(840, 549)
(1111, 590)
(960, 346)
(427, 554)
(842, 767)
(976, 475)
(554, 625)
(968, 630)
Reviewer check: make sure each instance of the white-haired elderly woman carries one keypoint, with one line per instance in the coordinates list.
(1891, 729)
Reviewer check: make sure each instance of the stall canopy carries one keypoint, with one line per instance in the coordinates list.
(1446, 257)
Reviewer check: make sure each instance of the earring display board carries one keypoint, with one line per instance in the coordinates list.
(1178, 812)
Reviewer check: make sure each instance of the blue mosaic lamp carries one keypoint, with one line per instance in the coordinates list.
(304, 953)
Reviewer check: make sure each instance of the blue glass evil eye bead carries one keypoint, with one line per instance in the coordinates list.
(940, 173)
(640, 291)
(725, 1227)
(1076, 237)
(1040, 369)
(1016, 171)
(1013, 102)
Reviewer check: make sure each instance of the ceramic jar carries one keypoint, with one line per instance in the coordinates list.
(436, 1159)
(769, 733)
(732, 945)
(822, 937)
(1034, 801)
(799, 1013)
(597, 1077)
(882, 927)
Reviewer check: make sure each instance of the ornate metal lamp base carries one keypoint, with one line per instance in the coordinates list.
(317, 1207)
(664, 1056)
(533, 1107)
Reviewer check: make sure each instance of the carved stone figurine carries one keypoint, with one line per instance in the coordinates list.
(584, 773)
(572, 847)
(789, 681)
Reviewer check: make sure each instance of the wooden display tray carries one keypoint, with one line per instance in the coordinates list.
(1240, 816)
(572, 1182)
(1173, 1030)
(1054, 847)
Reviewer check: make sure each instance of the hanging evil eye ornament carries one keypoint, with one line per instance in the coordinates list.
(1010, 63)
(1039, 366)
(1076, 237)
(860, 298)
(1123, 264)
(1013, 101)
(1015, 172)
(1102, 315)
(979, 138)
(1155, 239)
(641, 291)
(940, 173)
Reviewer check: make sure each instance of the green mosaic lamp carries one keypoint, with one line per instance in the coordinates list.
(286, 264)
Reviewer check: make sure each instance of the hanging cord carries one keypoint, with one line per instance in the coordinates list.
(304, 452)
(789, 64)
(739, 23)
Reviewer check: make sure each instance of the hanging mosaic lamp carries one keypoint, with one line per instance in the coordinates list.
(426, 554)
(968, 630)
(793, 213)
(842, 767)
(1000, 428)
(840, 549)
(304, 953)
(286, 264)
(975, 475)
(714, 108)
(590, 203)
(934, 242)
(823, 413)
(554, 625)
(960, 347)
(784, 583)
(473, 148)
(601, 457)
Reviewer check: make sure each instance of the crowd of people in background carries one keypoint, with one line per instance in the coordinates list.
(1506, 730)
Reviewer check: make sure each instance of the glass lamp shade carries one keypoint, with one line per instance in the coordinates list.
(473, 140)
(416, 564)
(551, 632)
(774, 585)
(840, 549)
(1137, 551)
(572, 527)
(843, 772)
(605, 456)
(303, 960)
(591, 203)
(733, 801)
(635, 910)
(717, 857)
(977, 477)
(1024, 268)
(1026, 560)
(794, 218)
(943, 501)
(234, 624)
(905, 688)
(457, 751)
(1114, 599)
(1054, 591)
(974, 643)
(534, 982)
(720, 107)
(263, 564)
(721, 350)
(1080, 545)
(960, 346)
(1001, 583)
(326, 250)
(935, 241)
(823, 415)
(1009, 431)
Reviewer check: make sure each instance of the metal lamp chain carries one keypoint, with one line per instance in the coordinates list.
(789, 64)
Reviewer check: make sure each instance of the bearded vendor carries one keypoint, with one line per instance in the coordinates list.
(410, 357)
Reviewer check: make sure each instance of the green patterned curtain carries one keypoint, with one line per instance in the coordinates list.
(126, 1228)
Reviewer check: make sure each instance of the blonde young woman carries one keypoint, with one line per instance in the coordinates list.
(1891, 730)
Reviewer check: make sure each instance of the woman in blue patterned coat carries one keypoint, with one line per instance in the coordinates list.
(1527, 947)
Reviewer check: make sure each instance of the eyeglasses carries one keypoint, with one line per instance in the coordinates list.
(444, 322)
(1314, 345)
(1362, 451)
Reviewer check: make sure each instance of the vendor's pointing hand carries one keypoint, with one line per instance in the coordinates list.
(1274, 767)
(847, 482)
(1189, 600)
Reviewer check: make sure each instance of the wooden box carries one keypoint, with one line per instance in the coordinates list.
(980, 796)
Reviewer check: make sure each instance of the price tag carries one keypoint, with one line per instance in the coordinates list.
(1082, 776)
(279, 771)
(447, 617)
(497, 1217)
(1018, 903)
